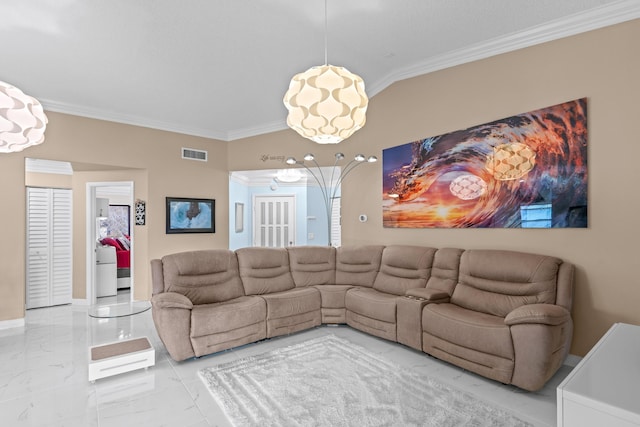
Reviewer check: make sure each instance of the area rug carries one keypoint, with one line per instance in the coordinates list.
(330, 381)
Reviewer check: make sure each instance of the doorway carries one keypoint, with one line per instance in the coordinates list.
(110, 243)
(309, 214)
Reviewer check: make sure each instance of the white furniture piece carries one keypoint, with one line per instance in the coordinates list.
(118, 357)
(604, 388)
(106, 272)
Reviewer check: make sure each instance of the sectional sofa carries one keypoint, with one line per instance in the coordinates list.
(501, 314)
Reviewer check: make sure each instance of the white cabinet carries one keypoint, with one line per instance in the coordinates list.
(106, 272)
(49, 270)
(603, 389)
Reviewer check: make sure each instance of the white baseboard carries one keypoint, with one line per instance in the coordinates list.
(80, 301)
(572, 360)
(13, 323)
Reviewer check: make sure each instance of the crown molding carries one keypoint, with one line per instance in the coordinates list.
(257, 130)
(129, 119)
(600, 17)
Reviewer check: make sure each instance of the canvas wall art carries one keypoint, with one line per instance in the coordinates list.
(186, 215)
(524, 171)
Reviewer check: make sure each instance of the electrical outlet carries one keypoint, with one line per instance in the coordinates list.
(311, 236)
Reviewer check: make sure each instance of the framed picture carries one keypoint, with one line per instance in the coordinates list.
(140, 212)
(185, 215)
(239, 217)
(117, 224)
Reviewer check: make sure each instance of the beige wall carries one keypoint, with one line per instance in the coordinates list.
(149, 158)
(603, 66)
(50, 180)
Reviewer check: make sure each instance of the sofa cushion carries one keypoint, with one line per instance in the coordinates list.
(292, 302)
(205, 276)
(444, 273)
(264, 270)
(467, 328)
(404, 267)
(207, 319)
(496, 282)
(333, 296)
(358, 265)
(372, 304)
(313, 265)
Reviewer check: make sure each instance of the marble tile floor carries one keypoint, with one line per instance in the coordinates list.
(43, 375)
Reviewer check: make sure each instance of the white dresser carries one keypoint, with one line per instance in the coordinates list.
(106, 271)
(604, 388)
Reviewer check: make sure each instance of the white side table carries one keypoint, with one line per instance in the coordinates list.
(604, 388)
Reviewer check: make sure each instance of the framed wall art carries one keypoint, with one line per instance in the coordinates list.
(140, 212)
(186, 215)
(239, 217)
(524, 171)
(117, 223)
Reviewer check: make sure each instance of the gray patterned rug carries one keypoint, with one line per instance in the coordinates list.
(330, 381)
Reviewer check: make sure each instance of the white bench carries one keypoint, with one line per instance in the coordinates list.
(118, 357)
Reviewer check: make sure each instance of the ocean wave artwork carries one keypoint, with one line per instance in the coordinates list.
(190, 215)
(523, 171)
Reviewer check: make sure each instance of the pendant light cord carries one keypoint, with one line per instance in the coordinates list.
(325, 34)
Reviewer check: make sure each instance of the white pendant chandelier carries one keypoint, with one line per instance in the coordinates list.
(326, 103)
(22, 120)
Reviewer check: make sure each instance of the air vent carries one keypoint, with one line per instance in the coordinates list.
(192, 154)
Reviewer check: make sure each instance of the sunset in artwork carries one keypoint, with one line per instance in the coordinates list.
(524, 171)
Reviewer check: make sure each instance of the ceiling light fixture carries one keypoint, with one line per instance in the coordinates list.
(22, 120)
(288, 175)
(326, 103)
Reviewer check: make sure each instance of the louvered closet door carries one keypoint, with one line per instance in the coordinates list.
(61, 256)
(49, 263)
(38, 246)
(336, 223)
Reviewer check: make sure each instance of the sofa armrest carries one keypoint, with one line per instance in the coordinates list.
(429, 295)
(171, 300)
(547, 314)
(172, 317)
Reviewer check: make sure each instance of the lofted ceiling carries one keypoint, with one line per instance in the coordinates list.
(219, 68)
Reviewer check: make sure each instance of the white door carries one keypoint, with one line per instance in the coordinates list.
(49, 250)
(61, 252)
(274, 221)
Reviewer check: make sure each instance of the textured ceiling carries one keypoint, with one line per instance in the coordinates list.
(219, 68)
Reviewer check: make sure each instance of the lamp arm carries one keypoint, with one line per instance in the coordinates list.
(347, 169)
(321, 183)
(328, 203)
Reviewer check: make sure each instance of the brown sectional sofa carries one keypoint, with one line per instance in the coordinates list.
(502, 314)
